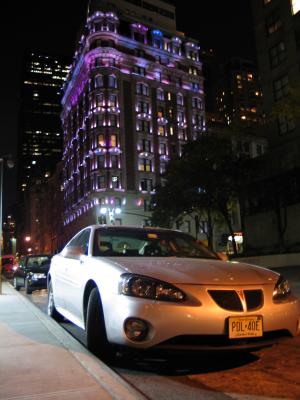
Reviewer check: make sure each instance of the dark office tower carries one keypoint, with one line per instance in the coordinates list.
(133, 97)
(238, 94)
(40, 132)
(277, 33)
(275, 203)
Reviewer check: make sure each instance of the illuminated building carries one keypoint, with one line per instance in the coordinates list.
(40, 132)
(133, 97)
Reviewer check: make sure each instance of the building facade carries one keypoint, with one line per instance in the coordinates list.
(133, 97)
(40, 133)
(275, 199)
(239, 94)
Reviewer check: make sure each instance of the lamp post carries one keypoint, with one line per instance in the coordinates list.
(10, 165)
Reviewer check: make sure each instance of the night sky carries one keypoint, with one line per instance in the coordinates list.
(51, 26)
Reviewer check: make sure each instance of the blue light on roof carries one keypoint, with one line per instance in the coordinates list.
(157, 32)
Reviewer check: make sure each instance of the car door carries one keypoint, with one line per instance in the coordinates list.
(21, 271)
(74, 274)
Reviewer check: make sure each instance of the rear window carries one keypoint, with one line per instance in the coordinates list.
(38, 261)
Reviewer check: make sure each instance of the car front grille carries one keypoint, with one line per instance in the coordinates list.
(233, 301)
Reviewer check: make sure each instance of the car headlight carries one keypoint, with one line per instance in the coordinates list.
(149, 288)
(282, 289)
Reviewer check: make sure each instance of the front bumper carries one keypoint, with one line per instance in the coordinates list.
(198, 323)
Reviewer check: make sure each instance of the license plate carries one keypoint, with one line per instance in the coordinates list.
(245, 327)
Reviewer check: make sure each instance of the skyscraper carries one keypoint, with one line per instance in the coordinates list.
(133, 97)
(275, 200)
(40, 132)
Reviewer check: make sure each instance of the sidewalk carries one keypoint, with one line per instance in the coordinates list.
(39, 360)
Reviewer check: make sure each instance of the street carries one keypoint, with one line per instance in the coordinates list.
(271, 372)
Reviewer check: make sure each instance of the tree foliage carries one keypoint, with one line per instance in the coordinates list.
(208, 176)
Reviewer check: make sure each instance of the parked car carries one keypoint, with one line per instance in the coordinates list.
(152, 288)
(32, 272)
(7, 265)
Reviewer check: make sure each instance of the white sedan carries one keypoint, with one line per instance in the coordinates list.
(153, 288)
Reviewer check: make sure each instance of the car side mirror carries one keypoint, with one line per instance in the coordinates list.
(73, 252)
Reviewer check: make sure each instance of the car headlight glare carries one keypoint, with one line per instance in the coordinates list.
(37, 276)
(149, 288)
(282, 289)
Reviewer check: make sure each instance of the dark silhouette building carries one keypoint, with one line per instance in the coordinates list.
(275, 199)
(39, 130)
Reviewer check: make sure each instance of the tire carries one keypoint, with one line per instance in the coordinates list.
(15, 284)
(96, 337)
(51, 309)
(28, 290)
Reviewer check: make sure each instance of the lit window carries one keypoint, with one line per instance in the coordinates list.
(145, 165)
(113, 140)
(169, 96)
(101, 140)
(250, 77)
(161, 130)
(115, 181)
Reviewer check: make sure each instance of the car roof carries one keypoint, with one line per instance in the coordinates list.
(38, 255)
(134, 227)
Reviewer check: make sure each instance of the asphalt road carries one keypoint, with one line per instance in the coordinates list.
(269, 373)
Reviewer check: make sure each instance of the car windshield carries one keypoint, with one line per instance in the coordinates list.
(147, 243)
(38, 261)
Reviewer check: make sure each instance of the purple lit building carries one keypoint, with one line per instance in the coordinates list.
(133, 97)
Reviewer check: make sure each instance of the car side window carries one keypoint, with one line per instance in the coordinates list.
(81, 240)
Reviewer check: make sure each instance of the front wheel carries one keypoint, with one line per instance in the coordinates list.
(51, 309)
(96, 337)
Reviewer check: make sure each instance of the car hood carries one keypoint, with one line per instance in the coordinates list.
(196, 271)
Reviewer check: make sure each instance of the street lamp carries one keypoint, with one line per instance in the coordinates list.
(10, 164)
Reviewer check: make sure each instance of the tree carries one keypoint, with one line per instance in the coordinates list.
(208, 176)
